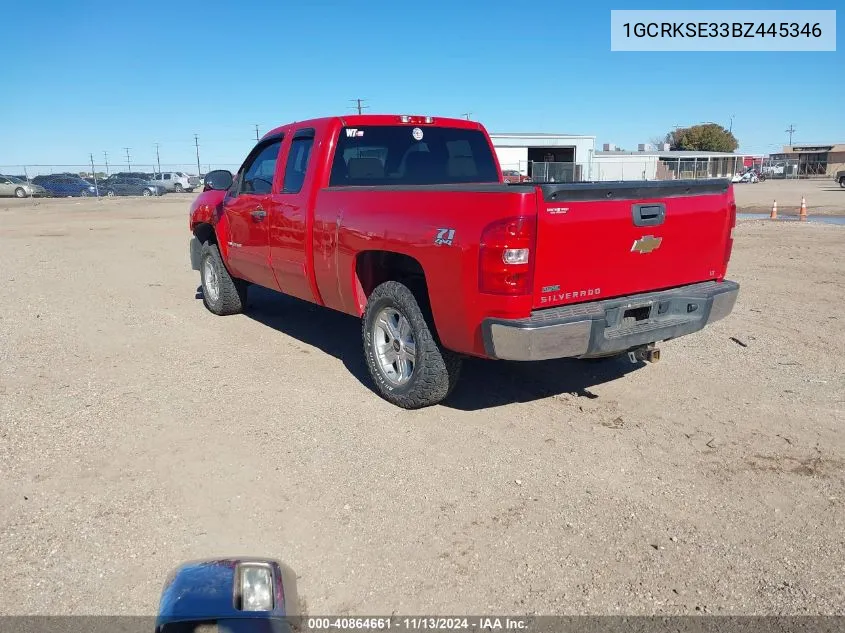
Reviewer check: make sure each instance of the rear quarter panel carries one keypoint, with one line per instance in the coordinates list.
(351, 220)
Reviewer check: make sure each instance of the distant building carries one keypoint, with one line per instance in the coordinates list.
(558, 157)
(815, 160)
(665, 165)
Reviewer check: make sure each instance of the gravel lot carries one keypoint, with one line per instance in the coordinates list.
(824, 196)
(138, 430)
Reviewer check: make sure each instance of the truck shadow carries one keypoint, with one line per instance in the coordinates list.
(483, 384)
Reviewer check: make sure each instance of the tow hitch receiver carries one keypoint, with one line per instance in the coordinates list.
(644, 354)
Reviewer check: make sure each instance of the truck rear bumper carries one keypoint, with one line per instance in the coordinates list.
(611, 326)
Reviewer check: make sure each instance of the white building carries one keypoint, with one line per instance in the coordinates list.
(562, 157)
(649, 164)
(573, 157)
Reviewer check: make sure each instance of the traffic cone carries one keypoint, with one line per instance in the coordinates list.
(774, 213)
(802, 213)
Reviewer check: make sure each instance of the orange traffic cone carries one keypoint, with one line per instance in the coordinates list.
(802, 213)
(774, 213)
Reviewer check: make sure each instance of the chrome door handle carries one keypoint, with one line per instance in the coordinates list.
(259, 214)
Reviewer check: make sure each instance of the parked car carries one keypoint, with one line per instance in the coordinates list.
(176, 181)
(13, 186)
(840, 178)
(143, 175)
(126, 186)
(65, 185)
(513, 175)
(406, 223)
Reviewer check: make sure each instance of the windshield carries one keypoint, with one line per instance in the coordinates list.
(405, 155)
(16, 181)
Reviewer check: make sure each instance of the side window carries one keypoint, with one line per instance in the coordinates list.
(297, 163)
(258, 175)
(167, 176)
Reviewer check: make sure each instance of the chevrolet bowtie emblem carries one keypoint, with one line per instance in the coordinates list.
(646, 244)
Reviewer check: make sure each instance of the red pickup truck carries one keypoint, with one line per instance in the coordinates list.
(406, 222)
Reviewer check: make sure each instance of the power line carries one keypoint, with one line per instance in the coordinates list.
(106, 156)
(790, 130)
(256, 133)
(359, 105)
(128, 163)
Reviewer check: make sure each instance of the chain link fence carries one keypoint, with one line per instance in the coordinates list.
(652, 167)
(103, 170)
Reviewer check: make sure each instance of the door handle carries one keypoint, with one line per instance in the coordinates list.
(259, 214)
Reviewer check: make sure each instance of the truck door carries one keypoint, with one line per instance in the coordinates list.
(247, 211)
(289, 216)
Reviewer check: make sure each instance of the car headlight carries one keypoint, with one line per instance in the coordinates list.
(92, 188)
(256, 587)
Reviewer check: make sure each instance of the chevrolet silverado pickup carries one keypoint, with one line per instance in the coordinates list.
(407, 223)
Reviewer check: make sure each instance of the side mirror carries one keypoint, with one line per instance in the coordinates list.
(236, 595)
(218, 180)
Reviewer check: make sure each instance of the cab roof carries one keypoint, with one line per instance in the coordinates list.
(380, 119)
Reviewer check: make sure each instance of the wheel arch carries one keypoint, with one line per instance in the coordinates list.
(374, 267)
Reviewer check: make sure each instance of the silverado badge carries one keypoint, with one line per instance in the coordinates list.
(646, 244)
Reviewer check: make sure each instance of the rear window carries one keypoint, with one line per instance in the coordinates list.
(407, 155)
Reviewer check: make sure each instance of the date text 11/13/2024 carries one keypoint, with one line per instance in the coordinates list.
(417, 623)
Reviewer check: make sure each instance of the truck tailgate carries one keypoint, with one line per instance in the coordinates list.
(602, 240)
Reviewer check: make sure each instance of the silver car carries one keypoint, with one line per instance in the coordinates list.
(11, 186)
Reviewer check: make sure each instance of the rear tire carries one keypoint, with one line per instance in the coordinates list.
(178, 187)
(221, 293)
(433, 370)
(842, 182)
(20, 192)
(84, 193)
(146, 193)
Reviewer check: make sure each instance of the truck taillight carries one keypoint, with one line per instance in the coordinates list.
(505, 263)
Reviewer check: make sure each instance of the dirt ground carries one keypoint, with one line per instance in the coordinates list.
(138, 430)
(824, 196)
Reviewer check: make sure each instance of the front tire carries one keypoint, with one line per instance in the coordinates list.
(177, 187)
(842, 182)
(20, 192)
(408, 366)
(84, 193)
(146, 193)
(221, 293)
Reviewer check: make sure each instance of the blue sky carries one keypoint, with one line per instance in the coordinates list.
(95, 76)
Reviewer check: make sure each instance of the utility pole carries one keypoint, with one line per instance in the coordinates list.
(158, 160)
(790, 130)
(128, 163)
(467, 115)
(359, 105)
(256, 133)
(731, 128)
(94, 175)
(106, 156)
(197, 144)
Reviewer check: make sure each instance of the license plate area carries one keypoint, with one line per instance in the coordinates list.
(632, 316)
